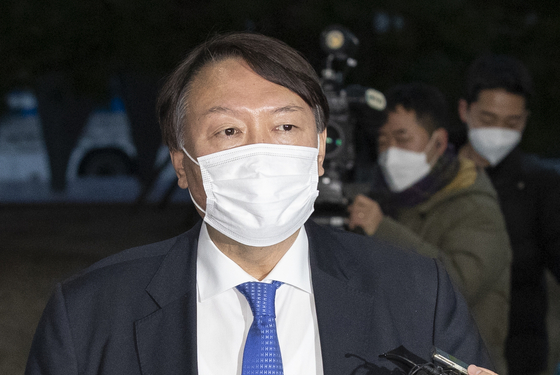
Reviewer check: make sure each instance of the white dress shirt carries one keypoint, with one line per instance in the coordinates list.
(224, 315)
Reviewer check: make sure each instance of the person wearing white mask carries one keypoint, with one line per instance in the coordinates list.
(255, 287)
(495, 111)
(428, 199)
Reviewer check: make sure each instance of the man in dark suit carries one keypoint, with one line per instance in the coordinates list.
(495, 110)
(245, 119)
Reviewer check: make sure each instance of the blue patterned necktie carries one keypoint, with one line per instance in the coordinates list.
(262, 351)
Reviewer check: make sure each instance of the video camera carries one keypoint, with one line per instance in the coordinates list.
(345, 104)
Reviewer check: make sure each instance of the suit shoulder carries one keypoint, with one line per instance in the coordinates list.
(367, 251)
(143, 253)
(132, 264)
(538, 168)
(374, 267)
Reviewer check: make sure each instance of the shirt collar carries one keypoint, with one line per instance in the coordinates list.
(216, 273)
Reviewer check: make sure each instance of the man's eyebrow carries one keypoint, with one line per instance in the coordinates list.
(218, 109)
(487, 113)
(283, 109)
(287, 108)
(516, 116)
(400, 131)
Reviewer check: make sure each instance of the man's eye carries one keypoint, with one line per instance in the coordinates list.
(286, 127)
(487, 120)
(229, 132)
(403, 140)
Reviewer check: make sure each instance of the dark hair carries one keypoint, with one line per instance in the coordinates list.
(270, 58)
(426, 101)
(498, 72)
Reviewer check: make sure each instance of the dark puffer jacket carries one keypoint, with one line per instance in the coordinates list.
(529, 194)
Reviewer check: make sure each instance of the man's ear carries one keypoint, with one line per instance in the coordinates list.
(463, 108)
(178, 158)
(322, 151)
(441, 139)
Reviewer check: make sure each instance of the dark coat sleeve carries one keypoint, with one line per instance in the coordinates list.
(87, 327)
(454, 329)
(52, 350)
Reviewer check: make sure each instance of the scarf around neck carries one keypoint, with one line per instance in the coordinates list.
(441, 174)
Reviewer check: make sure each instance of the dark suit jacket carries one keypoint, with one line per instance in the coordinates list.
(135, 312)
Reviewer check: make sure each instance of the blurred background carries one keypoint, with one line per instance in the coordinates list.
(83, 173)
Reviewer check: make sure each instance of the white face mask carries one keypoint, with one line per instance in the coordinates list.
(494, 143)
(259, 194)
(403, 168)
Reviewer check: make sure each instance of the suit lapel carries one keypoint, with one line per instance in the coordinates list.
(166, 339)
(343, 313)
(343, 324)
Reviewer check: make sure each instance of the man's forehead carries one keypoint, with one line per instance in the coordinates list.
(231, 88)
(216, 69)
(387, 130)
(500, 98)
(232, 77)
(401, 120)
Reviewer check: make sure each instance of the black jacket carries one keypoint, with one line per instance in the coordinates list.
(135, 312)
(529, 194)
